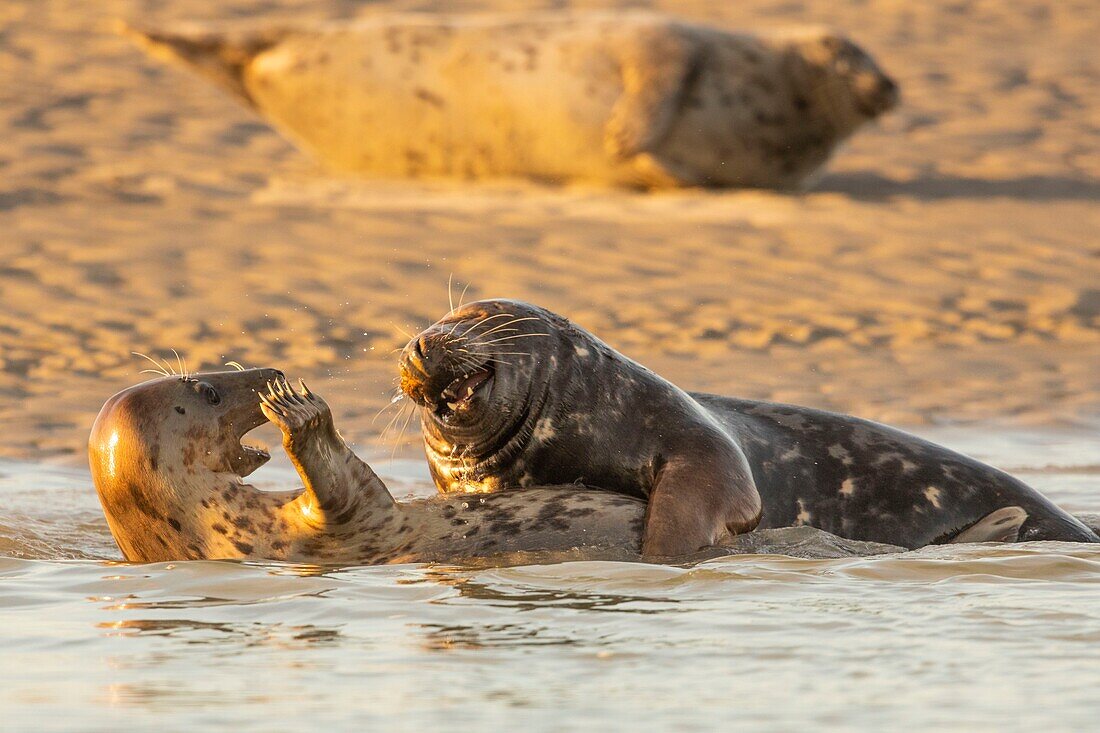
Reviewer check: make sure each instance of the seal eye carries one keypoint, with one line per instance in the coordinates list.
(210, 394)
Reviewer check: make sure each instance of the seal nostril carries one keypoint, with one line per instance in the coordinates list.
(421, 346)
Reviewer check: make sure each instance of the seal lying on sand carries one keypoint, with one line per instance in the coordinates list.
(632, 98)
(167, 463)
(513, 395)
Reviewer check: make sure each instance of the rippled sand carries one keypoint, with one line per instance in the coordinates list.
(944, 274)
(946, 267)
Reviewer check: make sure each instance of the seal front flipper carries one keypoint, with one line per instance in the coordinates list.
(699, 496)
(339, 486)
(657, 64)
(1002, 525)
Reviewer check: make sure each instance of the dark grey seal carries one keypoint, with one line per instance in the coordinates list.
(513, 395)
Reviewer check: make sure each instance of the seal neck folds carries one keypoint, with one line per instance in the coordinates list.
(482, 377)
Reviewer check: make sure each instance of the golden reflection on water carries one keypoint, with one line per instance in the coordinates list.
(973, 631)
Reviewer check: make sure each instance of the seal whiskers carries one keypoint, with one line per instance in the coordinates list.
(159, 368)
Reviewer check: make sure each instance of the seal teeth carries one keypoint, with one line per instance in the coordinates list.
(449, 392)
(461, 390)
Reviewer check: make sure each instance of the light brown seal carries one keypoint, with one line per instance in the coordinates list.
(632, 98)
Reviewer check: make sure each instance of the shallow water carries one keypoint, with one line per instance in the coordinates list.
(960, 638)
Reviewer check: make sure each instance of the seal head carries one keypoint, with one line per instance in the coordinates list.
(157, 442)
(847, 82)
(481, 376)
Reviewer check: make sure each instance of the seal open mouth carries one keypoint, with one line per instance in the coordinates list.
(457, 396)
(248, 452)
(253, 456)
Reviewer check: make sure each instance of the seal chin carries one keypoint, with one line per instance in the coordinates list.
(240, 457)
(876, 96)
(248, 459)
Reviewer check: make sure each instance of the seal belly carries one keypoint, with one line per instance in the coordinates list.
(443, 100)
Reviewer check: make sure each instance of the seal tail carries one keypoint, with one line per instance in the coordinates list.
(221, 57)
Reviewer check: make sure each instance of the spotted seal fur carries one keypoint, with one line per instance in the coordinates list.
(632, 97)
(167, 462)
(514, 395)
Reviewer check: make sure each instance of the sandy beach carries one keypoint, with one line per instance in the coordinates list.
(945, 269)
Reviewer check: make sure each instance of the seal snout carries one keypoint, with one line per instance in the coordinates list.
(875, 92)
(415, 355)
(416, 372)
(440, 378)
(883, 97)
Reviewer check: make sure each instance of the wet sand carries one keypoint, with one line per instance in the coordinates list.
(945, 269)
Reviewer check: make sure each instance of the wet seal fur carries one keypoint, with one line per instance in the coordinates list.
(168, 463)
(633, 98)
(514, 395)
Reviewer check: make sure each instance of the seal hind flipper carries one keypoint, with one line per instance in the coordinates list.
(221, 57)
(1002, 525)
(657, 64)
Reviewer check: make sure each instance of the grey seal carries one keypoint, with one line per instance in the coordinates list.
(511, 395)
(632, 98)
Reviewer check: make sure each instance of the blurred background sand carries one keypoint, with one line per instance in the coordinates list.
(945, 269)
